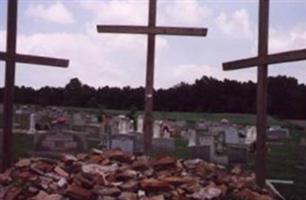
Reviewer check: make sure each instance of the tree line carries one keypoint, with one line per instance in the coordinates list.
(286, 97)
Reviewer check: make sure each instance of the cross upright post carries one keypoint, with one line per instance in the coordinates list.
(11, 57)
(262, 61)
(151, 30)
(262, 92)
(148, 120)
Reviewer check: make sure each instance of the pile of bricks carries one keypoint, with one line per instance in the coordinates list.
(113, 174)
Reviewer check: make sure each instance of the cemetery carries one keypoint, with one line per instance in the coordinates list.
(72, 153)
(211, 140)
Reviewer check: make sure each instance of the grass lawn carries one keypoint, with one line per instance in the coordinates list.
(243, 119)
(282, 164)
(22, 145)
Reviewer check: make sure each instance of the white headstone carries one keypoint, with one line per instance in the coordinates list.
(157, 129)
(131, 126)
(140, 123)
(251, 134)
(123, 125)
(32, 129)
(231, 136)
(94, 119)
(192, 138)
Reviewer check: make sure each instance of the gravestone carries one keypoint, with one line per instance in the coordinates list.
(200, 151)
(192, 138)
(124, 124)
(124, 142)
(140, 123)
(277, 133)
(32, 129)
(52, 144)
(139, 146)
(205, 139)
(251, 134)
(93, 119)
(78, 119)
(163, 146)
(202, 126)
(58, 142)
(231, 136)
(237, 154)
(157, 129)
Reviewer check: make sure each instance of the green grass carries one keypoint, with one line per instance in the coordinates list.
(181, 148)
(243, 119)
(282, 162)
(22, 145)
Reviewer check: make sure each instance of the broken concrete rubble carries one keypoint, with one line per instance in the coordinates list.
(114, 174)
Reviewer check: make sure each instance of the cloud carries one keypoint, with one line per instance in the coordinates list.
(282, 39)
(118, 12)
(236, 25)
(2, 40)
(96, 59)
(186, 13)
(55, 12)
(188, 73)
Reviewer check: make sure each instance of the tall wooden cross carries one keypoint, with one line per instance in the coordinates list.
(262, 61)
(152, 30)
(11, 57)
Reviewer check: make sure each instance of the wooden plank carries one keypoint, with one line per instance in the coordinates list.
(152, 30)
(148, 112)
(262, 93)
(8, 96)
(38, 60)
(41, 60)
(288, 56)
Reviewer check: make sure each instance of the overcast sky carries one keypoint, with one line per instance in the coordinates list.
(67, 29)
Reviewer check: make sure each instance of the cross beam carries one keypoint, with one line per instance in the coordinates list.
(262, 61)
(11, 57)
(31, 59)
(151, 30)
(289, 56)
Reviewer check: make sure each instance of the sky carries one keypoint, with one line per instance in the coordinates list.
(67, 29)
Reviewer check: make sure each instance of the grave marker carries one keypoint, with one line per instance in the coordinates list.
(157, 129)
(140, 123)
(163, 146)
(200, 151)
(53, 144)
(32, 129)
(124, 142)
(237, 154)
(231, 135)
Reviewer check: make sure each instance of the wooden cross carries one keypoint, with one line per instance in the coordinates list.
(152, 30)
(11, 57)
(262, 61)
